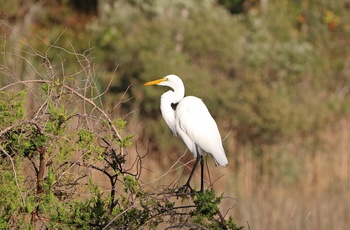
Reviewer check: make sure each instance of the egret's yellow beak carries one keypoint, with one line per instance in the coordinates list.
(155, 82)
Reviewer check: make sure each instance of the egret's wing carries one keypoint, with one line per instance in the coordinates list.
(195, 125)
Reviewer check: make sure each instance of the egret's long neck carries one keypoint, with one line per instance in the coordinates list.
(168, 113)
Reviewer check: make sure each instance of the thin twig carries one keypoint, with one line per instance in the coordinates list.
(77, 94)
(120, 214)
(14, 174)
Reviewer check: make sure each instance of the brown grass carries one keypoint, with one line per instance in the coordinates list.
(306, 189)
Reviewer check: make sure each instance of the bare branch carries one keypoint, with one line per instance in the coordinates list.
(120, 214)
(14, 174)
(91, 102)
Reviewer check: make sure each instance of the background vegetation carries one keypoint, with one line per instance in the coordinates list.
(274, 74)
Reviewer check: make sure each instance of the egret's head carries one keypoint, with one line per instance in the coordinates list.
(171, 81)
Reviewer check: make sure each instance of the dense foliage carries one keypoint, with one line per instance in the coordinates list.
(50, 155)
(65, 162)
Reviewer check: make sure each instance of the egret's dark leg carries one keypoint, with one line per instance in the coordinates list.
(202, 176)
(198, 158)
(187, 185)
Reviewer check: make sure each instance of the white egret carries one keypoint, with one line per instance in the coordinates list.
(189, 118)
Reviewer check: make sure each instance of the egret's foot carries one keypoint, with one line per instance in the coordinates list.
(185, 189)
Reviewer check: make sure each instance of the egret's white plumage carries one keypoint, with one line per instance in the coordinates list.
(189, 118)
(199, 128)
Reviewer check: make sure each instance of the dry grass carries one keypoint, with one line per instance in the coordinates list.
(306, 189)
